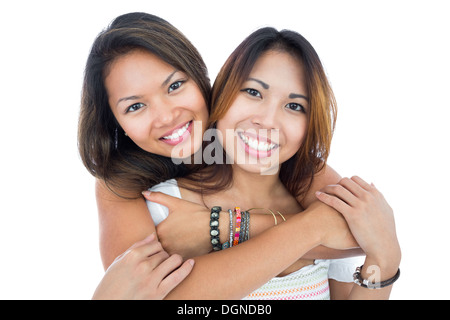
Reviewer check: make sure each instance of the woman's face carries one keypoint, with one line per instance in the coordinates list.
(159, 107)
(267, 122)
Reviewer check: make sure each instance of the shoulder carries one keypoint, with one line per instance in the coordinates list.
(323, 178)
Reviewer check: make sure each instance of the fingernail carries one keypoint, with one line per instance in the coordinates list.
(151, 237)
(191, 262)
(146, 193)
(318, 193)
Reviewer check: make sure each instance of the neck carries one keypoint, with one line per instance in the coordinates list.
(249, 182)
(254, 189)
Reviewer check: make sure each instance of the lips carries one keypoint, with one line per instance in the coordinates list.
(178, 134)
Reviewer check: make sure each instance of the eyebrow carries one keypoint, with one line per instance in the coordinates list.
(291, 96)
(296, 95)
(166, 82)
(264, 85)
(134, 97)
(128, 98)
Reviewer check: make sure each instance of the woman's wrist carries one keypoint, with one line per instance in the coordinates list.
(381, 269)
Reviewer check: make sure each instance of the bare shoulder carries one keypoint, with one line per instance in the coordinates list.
(322, 178)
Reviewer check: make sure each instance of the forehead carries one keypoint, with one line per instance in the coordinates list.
(138, 61)
(135, 71)
(278, 64)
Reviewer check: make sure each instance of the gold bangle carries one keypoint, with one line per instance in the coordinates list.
(273, 214)
(284, 219)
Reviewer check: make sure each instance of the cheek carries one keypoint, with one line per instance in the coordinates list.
(193, 100)
(137, 129)
(295, 136)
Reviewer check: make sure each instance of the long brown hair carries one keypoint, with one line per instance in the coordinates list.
(297, 173)
(104, 149)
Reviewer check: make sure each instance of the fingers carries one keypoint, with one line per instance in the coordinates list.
(333, 201)
(346, 194)
(340, 192)
(143, 249)
(171, 275)
(148, 239)
(363, 184)
(163, 199)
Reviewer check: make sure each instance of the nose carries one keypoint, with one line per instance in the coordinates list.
(267, 117)
(164, 113)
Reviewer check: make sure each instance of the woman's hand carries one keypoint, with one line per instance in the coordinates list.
(369, 216)
(144, 271)
(186, 230)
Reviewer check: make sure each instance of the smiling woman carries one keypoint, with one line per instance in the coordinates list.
(259, 109)
(313, 100)
(145, 85)
(154, 104)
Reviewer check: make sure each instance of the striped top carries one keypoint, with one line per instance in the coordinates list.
(309, 282)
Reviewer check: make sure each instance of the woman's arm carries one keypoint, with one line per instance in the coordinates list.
(371, 221)
(122, 222)
(235, 272)
(192, 222)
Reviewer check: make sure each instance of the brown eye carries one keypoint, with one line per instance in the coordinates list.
(134, 107)
(175, 86)
(252, 92)
(295, 107)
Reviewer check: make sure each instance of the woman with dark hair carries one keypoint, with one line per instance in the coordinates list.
(138, 52)
(107, 146)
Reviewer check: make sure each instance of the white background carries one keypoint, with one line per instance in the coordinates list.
(388, 62)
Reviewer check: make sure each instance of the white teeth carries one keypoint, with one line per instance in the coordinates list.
(254, 144)
(178, 133)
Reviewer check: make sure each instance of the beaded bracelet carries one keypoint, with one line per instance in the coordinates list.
(237, 210)
(365, 283)
(214, 225)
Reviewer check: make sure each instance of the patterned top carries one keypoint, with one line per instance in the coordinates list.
(309, 282)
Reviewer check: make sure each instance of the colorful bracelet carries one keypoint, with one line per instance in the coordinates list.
(365, 283)
(237, 210)
(214, 228)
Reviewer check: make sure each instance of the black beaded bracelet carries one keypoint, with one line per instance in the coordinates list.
(214, 228)
(371, 285)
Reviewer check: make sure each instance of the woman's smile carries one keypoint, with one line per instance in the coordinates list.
(177, 135)
(256, 145)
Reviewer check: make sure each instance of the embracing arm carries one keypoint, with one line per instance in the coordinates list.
(122, 222)
(177, 231)
(371, 221)
(327, 176)
(235, 272)
(319, 224)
